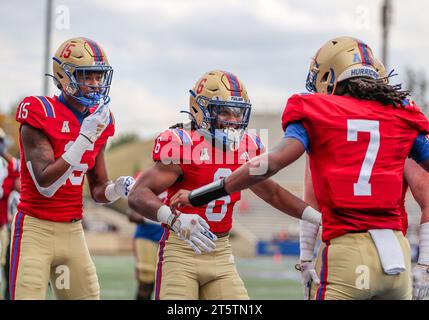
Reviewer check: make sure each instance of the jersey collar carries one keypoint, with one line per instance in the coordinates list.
(79, 115)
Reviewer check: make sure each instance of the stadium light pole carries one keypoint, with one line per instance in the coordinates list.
(386, 18)
(47, 45)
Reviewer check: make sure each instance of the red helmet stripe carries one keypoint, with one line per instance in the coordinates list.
(234, 84)
(96, 51)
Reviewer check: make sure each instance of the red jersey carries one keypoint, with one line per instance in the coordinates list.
(357, 154)
(8, 186)
(202, 163)
(61, 125)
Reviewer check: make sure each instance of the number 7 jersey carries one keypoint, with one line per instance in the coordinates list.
(61, 125)
(357, 154)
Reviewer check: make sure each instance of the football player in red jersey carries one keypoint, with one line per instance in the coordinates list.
(211, 147)
(415, 178)
(358, 132)
(62, 139)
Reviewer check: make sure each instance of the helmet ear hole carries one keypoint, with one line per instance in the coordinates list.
(325, 77)
(194, 109)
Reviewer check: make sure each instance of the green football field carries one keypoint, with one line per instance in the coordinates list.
(264, 278)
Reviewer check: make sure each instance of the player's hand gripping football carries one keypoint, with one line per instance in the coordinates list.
(195, 231)
(180, 199)
(308, 276)
(420, 281)
(93, 126)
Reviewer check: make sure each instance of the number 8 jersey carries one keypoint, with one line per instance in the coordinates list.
(202, 163)
(357, 154)
(61, 124)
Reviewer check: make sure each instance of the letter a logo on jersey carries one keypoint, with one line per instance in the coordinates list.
(204, 155)
(65, 128)
(244, 156)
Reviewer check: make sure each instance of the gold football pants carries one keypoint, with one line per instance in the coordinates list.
(43, 251)
(182, 274)
(349, 268)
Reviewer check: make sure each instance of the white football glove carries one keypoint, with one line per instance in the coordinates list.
(120, 189)
(93, 125)
(194, 230)
(308, 276)
(420, 281)
(91, 129)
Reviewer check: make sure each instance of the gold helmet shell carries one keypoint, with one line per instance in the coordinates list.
(83, 55)
(340, 59)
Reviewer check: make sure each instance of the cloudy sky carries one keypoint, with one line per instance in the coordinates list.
(159, 48)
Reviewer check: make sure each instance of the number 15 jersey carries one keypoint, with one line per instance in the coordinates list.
(357, 154)
(61, 124)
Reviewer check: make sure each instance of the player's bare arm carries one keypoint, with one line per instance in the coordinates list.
(144, 195)
(135, 217)
(38, 151)
(285, 153)
(425, 165)
(268, 190)
(249, 174)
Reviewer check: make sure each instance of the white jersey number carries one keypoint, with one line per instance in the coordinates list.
(75, 179)
(363, 187)
(211, 216)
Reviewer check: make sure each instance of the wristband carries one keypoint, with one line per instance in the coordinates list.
(311, 215)
(74, 154)
(110, 193)
(164, 215)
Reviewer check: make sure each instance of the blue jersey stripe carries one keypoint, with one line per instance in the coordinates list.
(47, 106)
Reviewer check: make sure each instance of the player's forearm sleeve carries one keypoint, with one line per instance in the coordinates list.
(307, 239)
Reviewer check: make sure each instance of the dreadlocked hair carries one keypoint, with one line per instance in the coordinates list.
(371, 89)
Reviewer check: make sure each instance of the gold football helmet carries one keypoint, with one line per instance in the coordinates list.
(219, 105)
(340, 59)
(73, 61)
